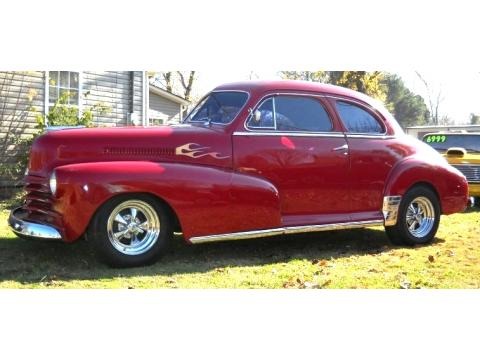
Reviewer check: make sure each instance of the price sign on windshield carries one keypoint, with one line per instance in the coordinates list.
(435, 139)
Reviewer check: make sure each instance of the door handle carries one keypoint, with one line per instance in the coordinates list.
(341, 148)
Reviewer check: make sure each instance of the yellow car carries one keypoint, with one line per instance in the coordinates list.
(462, 150)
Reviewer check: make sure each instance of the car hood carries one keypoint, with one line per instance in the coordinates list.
(180, 143)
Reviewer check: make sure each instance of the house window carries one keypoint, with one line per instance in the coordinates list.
(156, 121)
(63, 84)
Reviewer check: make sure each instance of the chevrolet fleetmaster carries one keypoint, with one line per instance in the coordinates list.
(252, 159)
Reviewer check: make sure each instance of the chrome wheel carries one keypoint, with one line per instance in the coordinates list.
(133, 227)
(420, 217)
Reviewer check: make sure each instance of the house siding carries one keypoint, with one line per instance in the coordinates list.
(22, 95)
(113, 89)
(163, 109)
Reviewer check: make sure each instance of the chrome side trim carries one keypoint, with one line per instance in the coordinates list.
(63, 127)
(29, 229)
(283, 230)
(289, 134)
(390, 209)
(370, 136)
(302, 134)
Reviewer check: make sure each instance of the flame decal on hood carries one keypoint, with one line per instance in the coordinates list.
(197, 151)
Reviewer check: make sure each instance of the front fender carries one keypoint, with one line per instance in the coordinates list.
(450, 185)
(206, 200)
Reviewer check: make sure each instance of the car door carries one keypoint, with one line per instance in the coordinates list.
(293, 142)
(373, 153)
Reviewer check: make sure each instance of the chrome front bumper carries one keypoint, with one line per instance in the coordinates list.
(31, 230)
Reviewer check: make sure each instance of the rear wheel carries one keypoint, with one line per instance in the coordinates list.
(130, 230)
(418, 218)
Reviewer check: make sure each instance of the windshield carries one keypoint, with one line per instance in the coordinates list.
(218, 107)
(442, 142)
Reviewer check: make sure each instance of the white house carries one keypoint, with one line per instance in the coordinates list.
(130, 98)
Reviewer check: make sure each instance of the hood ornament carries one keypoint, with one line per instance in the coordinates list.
(197, 151)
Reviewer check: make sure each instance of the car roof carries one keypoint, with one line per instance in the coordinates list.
(295, 85)
(259, 87)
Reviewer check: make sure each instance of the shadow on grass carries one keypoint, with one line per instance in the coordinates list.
(31, 262)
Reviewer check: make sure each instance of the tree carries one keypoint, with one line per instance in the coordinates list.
(252, 75)
(408, 108)
(167, 77)
(176, 81)
(187, 85)
(320, 76)
(474, 119)
(369, 83)
(435, 98)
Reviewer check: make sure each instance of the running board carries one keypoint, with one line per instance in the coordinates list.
(283, 231)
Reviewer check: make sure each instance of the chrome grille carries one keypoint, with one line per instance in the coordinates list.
(38, 198)
(138, 151)
(471, 172)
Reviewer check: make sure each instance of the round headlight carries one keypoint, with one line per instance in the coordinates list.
(53, 183)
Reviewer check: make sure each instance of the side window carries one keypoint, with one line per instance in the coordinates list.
(291, 113)
(357, 120)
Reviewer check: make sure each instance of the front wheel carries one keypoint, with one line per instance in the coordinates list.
(130, 230)
(418, 218)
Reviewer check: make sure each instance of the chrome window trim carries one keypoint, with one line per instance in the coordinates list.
(283, 230)
(272, 95)
(369, 136)
(217, 123)
(293, 134)
(274, 109)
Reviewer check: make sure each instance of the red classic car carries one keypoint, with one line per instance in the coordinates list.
(253, 159)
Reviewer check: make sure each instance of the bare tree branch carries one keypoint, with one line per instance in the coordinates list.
(187, 86)
(167, 77)
(433, 101)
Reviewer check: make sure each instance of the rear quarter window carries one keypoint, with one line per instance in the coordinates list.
(358, 120)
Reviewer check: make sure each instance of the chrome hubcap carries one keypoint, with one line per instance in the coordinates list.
(133, 227)
(420, 217)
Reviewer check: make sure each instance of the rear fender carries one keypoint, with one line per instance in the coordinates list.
(449, 184)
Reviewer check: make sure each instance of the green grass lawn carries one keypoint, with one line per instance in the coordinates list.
(344, 259)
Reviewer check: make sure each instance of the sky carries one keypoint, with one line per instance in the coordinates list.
(460, 89)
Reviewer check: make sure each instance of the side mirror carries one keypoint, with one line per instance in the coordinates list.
(256, 116)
